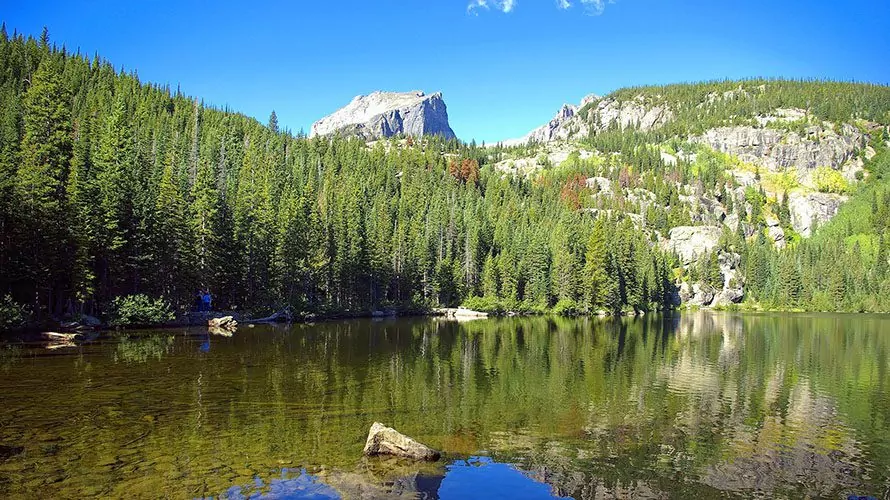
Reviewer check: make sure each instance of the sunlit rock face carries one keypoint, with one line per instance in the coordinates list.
(818, 146)
(595, 113)
(385, 114)
(810, 210)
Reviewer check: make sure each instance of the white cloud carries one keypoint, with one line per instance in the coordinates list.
(595, 7)
(591, 7)
(476, 4)
(505, 6)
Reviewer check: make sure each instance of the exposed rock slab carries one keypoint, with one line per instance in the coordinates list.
(811, 209)
(776, 150)
(385, 114)
(690, 242)
(383, 440)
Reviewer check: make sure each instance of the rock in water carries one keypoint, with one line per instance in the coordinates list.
(385, 114)
(383, 440)
(224, 323)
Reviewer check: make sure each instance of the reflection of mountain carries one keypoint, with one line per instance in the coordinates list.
(696, 403)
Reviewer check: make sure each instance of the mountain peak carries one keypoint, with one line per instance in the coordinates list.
(383, 114)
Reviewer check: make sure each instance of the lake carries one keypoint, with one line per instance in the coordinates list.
(694, 405)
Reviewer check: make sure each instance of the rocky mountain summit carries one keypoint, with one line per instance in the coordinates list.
(385, 114)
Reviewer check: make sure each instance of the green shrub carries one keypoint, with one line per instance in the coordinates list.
(12, 314)
(827, 180)
(567, 307)
(484, 304)
(139, 310)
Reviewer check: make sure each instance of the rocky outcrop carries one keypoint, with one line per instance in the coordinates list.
(385, 114)
(691, 242)
(808, 210)
(697, 294)
(733, 289)
(628, 114)
(383, 440)
(598, 114)
(775, 232)
(703, 294)
(776, 150)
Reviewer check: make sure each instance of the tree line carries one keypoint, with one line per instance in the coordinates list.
(111, 187)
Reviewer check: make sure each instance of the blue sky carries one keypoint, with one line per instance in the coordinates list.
(504, 66)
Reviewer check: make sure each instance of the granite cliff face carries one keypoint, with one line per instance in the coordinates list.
(776, 150)
(385, 114)
(596, 113)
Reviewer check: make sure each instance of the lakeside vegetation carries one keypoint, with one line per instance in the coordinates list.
(112, 188)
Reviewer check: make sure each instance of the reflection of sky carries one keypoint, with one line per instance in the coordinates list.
(477, 477)
(480, 477)
(304, 486)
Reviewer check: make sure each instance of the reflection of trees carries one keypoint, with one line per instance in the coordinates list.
(141, 349)
(589, 405)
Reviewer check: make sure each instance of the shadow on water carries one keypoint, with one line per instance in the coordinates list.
(692, 405)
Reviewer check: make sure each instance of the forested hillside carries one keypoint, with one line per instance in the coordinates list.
(112, 187)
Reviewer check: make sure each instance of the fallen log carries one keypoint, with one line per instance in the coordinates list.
(383, 440)
(282, 315)
(66, 337)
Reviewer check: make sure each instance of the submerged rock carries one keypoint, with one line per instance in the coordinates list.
(383, 440)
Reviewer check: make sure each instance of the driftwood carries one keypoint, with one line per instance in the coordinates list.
(383, 440)
(282, 315)
(59, 344)
(65, 337)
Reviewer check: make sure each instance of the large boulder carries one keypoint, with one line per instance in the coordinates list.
(690, 242)
(807, 210)
(702, 295)
(385, 114)
(729, 295)
(775, 232)
(383, 440)
(223, 323)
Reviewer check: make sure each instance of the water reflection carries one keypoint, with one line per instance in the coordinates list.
(475, 477)
(701, 404)
(134, 349)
